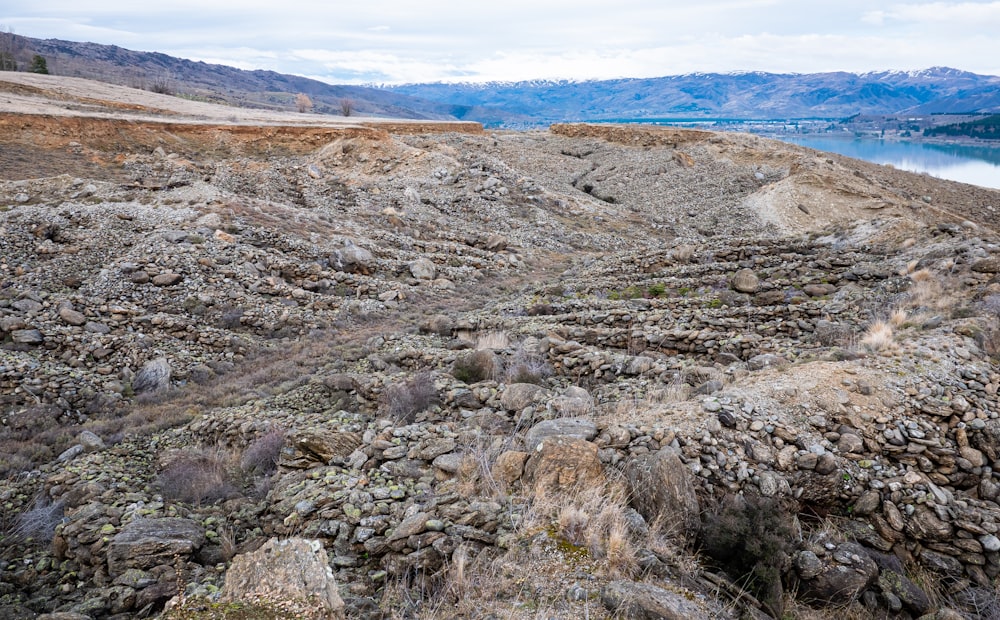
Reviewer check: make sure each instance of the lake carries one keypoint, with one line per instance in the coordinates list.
(979, 165)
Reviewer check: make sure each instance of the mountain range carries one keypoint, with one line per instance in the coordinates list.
(742, 95)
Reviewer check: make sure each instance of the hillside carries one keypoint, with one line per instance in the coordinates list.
(258, 368)
(983, 129)
(219, 83)
(731, 95)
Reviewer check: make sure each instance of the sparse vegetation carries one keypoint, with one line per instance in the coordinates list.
(303, 103)
(403, 401)
(477, 366)
(751, 538)
(198, 477)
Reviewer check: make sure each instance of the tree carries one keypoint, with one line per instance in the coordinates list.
(8, 49)
(38, 64)
(303, 102)
(346, 107)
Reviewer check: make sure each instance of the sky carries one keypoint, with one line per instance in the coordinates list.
(405, 41)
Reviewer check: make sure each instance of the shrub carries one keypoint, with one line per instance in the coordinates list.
(260, 458)
(528, 367)
(476, 366)
(403, 401)
(751, 539)
(196, 477)
(37, 525)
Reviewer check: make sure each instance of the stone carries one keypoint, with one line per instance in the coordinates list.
(867, 503)
(645, 601)
(663, 491)
(910, 595)
(745, 281)
(146, 543)
(765, 360)
(579, 428)
(153, 377)
(808, 565)
(314, 447)
(71, 316)
(924, 524)
(941, 563)
(294, 570)
(27, 336)
(352, 259)
(410, 526)
(987, 265)
(423, 269)
(840, 583)
(517, 396)
(167, 279)
(563, 463)
(509, 466)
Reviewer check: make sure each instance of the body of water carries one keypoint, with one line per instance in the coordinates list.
(979, 165)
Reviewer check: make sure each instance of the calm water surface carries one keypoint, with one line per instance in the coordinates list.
(969, 164)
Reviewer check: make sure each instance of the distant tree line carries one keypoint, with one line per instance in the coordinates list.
(986, 129)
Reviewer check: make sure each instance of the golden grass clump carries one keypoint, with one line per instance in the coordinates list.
(878, 337)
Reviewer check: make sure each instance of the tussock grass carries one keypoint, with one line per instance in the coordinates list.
(878, 337)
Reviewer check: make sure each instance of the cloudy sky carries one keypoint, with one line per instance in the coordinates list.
(393, 41)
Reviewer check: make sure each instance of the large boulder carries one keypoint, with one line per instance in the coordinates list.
(146, 543)
(153, 377)
(293, 572)
(352, 258)
(563, 463)
(579, 428)
(644, 601)
(423, 269)
(315, 447)
(663, 491)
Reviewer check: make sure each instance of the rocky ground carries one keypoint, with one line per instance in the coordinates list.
(538, 374)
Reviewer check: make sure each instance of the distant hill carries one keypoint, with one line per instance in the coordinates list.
(699, 95)
(730, 95)
(220, 83)
(985, 129)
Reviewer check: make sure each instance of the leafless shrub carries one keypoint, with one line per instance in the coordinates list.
(197, 477)
(38, 524)
(230, 318)
(260, 458)
(403, 401)
(346, 106)
(526, 367)
(303, 103)
(161, 85)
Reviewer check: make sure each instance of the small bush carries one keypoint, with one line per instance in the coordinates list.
(196, 477)
(476, 366)
(528, 367)
(37, 525)
(751, 539)
(260, 458)
(403, 401)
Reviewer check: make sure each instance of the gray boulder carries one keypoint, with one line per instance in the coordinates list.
(293, 571)
(146, 543)
(662, 490)
(644, 601)
(153, 377)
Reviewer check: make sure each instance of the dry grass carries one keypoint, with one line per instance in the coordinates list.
(878, 337)
(402, 401)
(898, 318)
(198, 476)
(493, 341)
